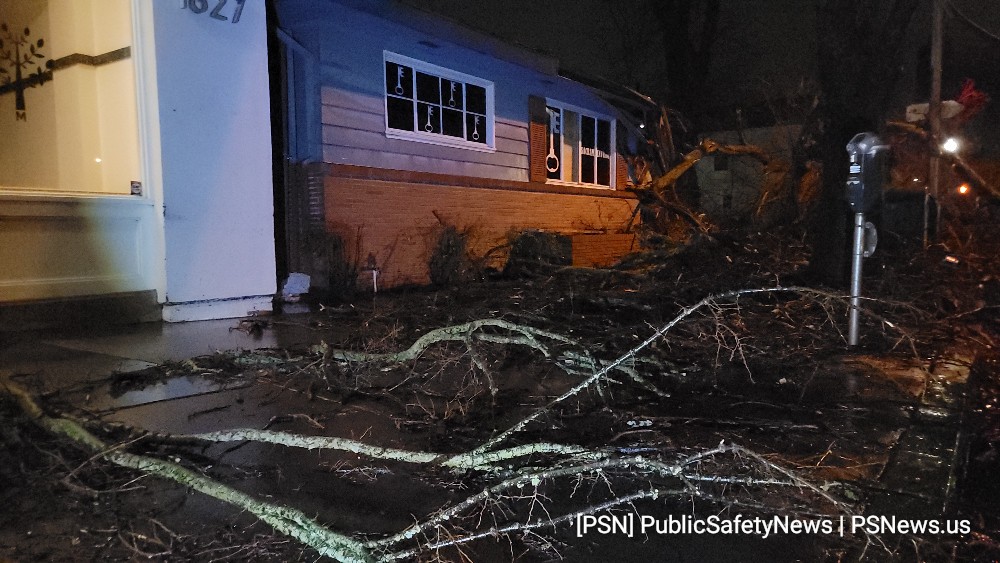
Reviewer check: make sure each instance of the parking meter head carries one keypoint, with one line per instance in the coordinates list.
(867, 171)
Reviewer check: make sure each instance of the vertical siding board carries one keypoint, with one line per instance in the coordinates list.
(621, 172)
(537, 135)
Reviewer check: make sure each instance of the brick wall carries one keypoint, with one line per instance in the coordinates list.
(399, 222)
(598, 251)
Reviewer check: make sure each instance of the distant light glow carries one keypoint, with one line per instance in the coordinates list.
(963, 189)
(950, 145)
(97, 160)
(916, 179)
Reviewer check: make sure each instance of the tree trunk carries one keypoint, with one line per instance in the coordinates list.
(859, 51)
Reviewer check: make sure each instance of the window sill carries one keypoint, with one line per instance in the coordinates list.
(578, 185)
(8, 194)
(440, 140)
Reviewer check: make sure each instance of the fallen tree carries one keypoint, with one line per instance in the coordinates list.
(511, 474)
(660, 191)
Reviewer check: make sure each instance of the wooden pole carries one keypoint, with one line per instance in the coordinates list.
(934, 116)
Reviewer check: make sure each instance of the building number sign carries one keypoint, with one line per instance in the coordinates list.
(201, 6)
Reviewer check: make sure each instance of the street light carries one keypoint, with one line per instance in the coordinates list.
(950, 145)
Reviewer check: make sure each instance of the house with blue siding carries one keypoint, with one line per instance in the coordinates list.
(176, 159)
(422, 124)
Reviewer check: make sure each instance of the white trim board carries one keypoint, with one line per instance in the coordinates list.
(216, 309)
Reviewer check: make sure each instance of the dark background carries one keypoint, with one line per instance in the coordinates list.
(760, 51)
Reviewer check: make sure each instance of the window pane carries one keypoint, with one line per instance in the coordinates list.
(451, 121)
(428, 118)
(475, 128)
(430, 101)
(587, 169)
(570, 146)
(428, 88)
(476, 101)
(587, 130)
(604, 136)
(604, 171)
(603, 152)
(400, 113)
(451, 93)
(398, 80)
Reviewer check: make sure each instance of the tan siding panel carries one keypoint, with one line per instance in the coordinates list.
(512, 130)
(377, 141)
(394, 161)
(330, 96)
(511, 146)
(509, 139)
(353, 118)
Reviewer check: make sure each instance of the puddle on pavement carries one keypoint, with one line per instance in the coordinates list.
(342, 490)
(103, 396)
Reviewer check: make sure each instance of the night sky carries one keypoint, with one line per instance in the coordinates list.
(765, 48)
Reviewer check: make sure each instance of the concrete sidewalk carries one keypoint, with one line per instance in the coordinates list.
(78, 364)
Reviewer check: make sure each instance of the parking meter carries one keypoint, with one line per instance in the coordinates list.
(867, 157)
(866, 171)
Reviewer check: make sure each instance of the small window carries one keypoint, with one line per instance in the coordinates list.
(579, 146)
(427, 103)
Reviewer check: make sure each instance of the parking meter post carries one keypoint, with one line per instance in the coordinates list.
(857, 255)
(863, 191)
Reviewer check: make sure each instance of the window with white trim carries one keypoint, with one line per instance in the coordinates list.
(580, 146)
(428, 103)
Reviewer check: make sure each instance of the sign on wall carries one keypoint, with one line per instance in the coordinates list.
(21, 62)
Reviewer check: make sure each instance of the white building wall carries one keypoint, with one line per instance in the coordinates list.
(68, 226)
(734, 191)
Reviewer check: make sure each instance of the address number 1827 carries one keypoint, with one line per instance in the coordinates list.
(201, 6)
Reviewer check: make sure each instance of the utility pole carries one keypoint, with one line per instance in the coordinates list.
(934, 116)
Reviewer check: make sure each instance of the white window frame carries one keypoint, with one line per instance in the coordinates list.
(448, 74)
(613, 154)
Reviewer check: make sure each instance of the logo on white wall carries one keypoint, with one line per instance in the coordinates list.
(18, 54)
